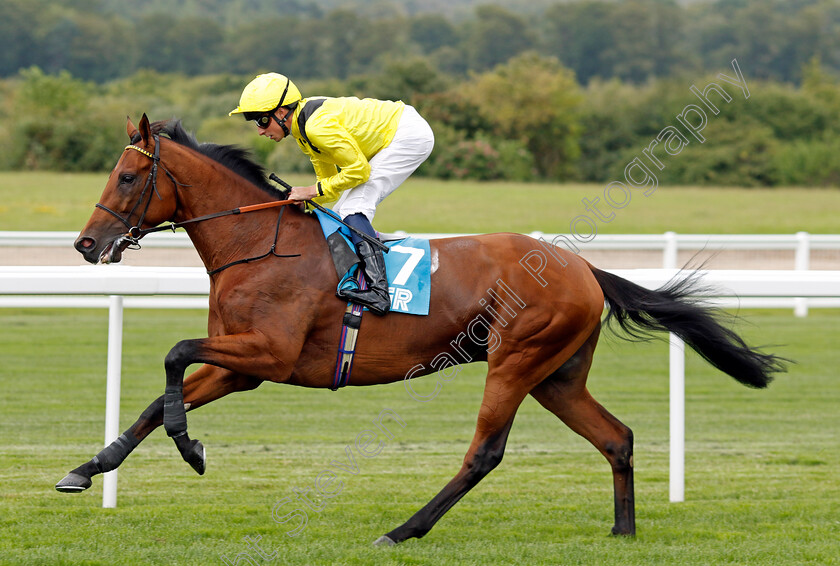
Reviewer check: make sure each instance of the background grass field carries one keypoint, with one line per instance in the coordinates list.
(761, 466)
(57, 201)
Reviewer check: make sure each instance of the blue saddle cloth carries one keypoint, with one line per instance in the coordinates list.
(408, 265)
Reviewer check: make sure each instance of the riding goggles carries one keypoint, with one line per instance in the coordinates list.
(262, 120)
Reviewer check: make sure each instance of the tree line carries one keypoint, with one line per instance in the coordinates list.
(526, 119)
(570, 91)
(632, 40)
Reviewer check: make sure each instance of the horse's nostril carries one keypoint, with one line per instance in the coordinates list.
(83, 244)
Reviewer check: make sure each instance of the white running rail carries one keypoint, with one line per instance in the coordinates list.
(669, 243)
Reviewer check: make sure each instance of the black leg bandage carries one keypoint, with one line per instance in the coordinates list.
(110, 457)
(174, 414)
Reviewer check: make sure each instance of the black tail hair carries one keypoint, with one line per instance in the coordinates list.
(674, 308)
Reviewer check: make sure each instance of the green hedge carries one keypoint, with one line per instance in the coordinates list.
(525, 120)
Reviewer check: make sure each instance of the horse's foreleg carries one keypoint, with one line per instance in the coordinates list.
(564, 393)
(174, 412)
(495, 418)
(245, 354)
(207, 384)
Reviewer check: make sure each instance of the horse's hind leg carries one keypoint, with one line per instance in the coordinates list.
(564, 393)
(207, 384)
(495, 418)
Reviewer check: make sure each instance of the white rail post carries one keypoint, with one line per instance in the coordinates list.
(669, 254)
(676, 356)
(112, 394)
(802, 263)
(677, 427)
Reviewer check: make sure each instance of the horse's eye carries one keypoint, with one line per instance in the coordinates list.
(127, 179)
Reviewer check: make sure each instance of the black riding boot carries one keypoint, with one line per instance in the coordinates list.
(375, 297)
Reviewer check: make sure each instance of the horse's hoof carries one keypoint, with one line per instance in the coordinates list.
(73, 483)
(384, 541)
(195, 457)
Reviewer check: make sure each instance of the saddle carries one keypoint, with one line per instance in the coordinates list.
(408, 266)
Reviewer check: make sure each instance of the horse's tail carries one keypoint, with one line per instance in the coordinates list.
(674, 308)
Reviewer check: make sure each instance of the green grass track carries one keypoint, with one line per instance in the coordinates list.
(761, 487)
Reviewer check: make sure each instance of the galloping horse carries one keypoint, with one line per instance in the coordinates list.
(274, 315)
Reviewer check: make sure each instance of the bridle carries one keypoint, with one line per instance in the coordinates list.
(136, 232)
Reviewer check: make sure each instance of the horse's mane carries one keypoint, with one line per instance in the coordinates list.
(235, 158)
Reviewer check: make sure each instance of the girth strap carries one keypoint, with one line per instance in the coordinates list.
(347, 343)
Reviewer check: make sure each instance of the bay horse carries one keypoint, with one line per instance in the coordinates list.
(273, 315)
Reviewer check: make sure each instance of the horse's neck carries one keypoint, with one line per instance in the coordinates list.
(220, 241)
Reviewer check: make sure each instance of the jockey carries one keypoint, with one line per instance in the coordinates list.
(361, 151)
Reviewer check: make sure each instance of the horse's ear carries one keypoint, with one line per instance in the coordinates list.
(130, 128)
(145, 129)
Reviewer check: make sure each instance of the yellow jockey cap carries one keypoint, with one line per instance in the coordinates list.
(267, 92)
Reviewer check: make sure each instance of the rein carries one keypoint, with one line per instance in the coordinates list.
(135, 232)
